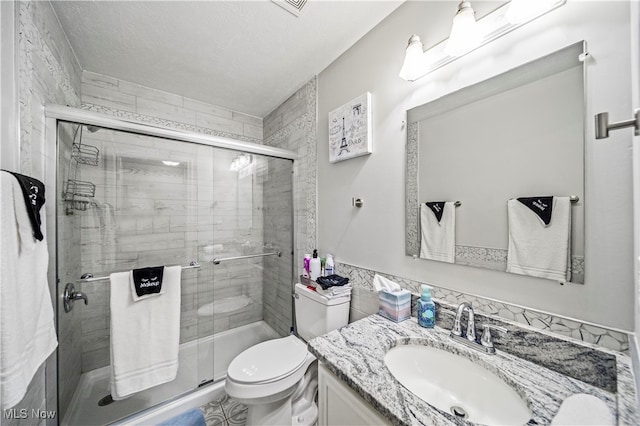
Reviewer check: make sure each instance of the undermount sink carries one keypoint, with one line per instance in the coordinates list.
(456, 385)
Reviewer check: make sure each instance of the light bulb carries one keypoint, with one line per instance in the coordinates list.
(413, 65)
(464, 31)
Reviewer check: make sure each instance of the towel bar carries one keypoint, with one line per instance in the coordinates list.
(217, 261)
(572, 198)
(88, 277)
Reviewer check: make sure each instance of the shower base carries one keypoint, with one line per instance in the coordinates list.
(213, 355)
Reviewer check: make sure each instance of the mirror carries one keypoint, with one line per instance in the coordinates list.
(518, 134)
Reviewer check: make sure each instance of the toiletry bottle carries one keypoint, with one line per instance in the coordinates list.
(305, 265)
(329, 266)
(314, 266)
(426, 308)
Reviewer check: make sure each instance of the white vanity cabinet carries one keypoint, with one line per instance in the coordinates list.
(340, 405)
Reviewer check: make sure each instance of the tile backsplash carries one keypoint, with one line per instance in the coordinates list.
(365, 302)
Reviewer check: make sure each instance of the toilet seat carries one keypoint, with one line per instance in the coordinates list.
(268, 361)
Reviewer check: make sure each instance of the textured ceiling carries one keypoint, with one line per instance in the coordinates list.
(248, 56)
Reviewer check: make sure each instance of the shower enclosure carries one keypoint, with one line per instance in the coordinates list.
(131, 196)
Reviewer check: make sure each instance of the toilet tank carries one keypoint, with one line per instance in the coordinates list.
(317, 314)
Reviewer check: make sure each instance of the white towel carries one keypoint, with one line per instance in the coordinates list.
(336, 291)
(583, 409)
(538, 250)
(144, 335)
(438, 240)
(27, 331)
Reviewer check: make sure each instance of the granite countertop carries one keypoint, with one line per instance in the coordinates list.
(355, 354)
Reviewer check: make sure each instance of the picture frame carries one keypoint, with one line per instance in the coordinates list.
(350, 129)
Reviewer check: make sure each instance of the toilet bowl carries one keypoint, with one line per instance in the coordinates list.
(265, 378)
(277, 379)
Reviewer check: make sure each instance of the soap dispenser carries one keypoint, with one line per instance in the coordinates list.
(426, 308)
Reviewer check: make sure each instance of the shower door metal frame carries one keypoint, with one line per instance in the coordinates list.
(58, 113)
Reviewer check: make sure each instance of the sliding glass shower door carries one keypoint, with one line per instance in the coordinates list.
(127, 201)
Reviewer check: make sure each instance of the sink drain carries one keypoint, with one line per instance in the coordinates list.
(105, 401)
(459, 412)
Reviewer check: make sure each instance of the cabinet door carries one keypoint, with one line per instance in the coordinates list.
(340, 405)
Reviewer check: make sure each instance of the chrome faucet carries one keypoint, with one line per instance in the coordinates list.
(471, 322)
(486, 341)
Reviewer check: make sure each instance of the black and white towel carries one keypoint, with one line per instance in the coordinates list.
(540, 237)
(33, 195)
(146, 282)
(145, 335)
(438, 231)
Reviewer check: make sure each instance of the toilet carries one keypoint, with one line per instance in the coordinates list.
(277, 380)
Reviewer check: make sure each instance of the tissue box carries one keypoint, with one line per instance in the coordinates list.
(396, 305)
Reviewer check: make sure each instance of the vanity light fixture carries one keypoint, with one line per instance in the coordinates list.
(467, 34)
(170, 163)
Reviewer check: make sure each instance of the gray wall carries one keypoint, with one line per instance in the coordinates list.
(373, 237)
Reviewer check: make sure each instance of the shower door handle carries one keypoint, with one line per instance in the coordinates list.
(70, 295)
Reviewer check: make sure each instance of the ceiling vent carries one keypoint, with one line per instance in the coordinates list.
(292, 6)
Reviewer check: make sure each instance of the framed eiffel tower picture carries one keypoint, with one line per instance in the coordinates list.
(350, 129)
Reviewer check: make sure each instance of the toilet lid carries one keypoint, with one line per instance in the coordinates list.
(268, 361)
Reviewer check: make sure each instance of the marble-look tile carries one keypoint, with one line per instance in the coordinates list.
(219, 123)
(199, 106)
(106, 97)
(165, 111)
(252, 130)
(601, 336)
(412, 204)
(160, 121)
(246, 118)
(149, 93)
(355, 354)
(47, 73)
(100, 80)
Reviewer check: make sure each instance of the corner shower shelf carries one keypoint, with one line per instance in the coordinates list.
(82, 154)
(85, 154)
(80, 188)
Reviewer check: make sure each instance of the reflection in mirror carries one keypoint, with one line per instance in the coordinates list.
(519, 135)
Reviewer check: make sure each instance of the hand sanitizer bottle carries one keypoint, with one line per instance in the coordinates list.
(426, 308)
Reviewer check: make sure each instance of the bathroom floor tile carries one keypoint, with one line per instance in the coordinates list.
(224, 411)
(213, 415)
(235, 412)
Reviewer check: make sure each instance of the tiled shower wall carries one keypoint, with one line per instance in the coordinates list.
(292, 126)
(108, 95)
(146, 213)
(128, 100)
(47, 73)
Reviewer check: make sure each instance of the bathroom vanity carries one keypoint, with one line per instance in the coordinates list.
(356, 386)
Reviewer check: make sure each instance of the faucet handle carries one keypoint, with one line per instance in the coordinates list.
(486, 340)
